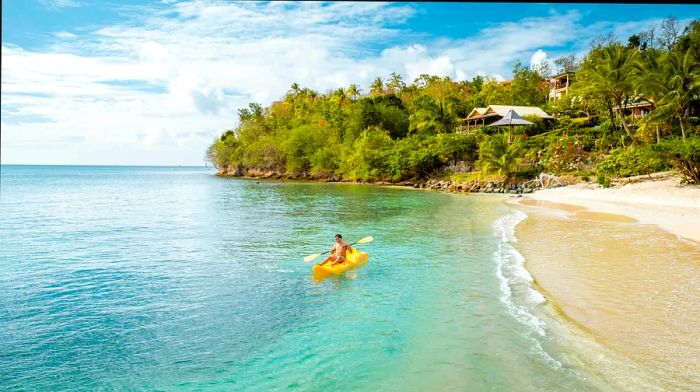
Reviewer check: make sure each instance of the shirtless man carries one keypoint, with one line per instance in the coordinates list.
(339, 249)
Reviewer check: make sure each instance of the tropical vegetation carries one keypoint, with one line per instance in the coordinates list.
(398, 131)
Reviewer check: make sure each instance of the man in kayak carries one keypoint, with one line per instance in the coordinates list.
(339, 249)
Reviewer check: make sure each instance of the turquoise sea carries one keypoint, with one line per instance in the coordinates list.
(170, 278)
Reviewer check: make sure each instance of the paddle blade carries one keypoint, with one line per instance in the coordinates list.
(311, 257)
(365, 240)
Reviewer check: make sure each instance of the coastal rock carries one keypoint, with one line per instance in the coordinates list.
(440, 185)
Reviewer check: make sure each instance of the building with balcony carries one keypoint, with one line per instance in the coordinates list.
(559, 85)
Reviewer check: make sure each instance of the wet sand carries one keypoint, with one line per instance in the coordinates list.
(629, 286)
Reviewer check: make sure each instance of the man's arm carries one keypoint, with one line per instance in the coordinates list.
(327, 259)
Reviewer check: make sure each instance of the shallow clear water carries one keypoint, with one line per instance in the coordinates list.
(172, 278)
(633, 288)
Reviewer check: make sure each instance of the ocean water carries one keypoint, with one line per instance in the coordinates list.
(170, 278)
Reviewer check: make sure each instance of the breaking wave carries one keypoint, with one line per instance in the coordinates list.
(517, 293)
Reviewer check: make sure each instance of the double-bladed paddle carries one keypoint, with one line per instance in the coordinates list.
(315, 255)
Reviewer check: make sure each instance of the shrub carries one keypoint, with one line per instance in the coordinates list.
(630, 161)
(538, 126)
(583, 122)
(528, 172)
(453, 147)
(565, 122)
(325, 160)
(565, 155)
(684, 156)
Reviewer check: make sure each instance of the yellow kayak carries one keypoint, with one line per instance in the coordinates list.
(353, 258)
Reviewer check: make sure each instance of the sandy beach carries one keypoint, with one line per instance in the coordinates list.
(658, 199)
(621, 266)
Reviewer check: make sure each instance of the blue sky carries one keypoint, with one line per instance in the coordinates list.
(133, 82)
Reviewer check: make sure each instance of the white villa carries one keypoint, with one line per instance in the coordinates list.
(493, 113)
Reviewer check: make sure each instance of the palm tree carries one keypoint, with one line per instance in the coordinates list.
(339, 97)
(432, 115)
(377, 87)
(497, 154)
(395, 83)
(653, 84)
(683, 73)
(353, 91)
(610, 73)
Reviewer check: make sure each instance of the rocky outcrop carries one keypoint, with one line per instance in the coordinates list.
(477, 186)
(439, 185)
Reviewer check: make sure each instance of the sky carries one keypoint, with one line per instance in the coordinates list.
(154, 83)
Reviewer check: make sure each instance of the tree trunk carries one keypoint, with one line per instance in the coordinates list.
(621, 112)
(627, 129)
(612, 116)
(680, 119)
(658, 136)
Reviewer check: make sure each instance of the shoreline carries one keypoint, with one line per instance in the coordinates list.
(658, 200)
(618, 266)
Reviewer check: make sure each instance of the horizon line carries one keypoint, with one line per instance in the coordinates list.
(103, 165)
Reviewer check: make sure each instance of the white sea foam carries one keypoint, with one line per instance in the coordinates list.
(514, 278)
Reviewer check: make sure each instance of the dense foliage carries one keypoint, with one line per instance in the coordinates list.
(398, 131)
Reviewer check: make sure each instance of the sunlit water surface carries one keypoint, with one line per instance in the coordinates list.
(171, 278)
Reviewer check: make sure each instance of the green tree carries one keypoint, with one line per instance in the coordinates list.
(368, 159)
(433, 116)
(339, 97)
(653, 83)
(690, 39)
(610, 74)
(497, 154)
(353, 91)
(414, 156)
(377, 87)
(221, 152)
(527, 88)
(683, 73)
(634, 41)
(395, 83)
(477, 83)
(494, 93)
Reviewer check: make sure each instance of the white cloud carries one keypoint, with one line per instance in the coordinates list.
(537, 58)
(158, 89)
(65, 35)
(59, 4)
